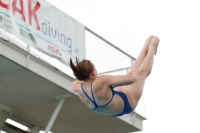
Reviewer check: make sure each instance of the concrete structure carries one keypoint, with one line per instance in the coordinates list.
(39, 96)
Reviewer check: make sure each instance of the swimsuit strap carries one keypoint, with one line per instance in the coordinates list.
(109, 101)
(89, 98)
(93, 101)
(92, 92)
(94, 98)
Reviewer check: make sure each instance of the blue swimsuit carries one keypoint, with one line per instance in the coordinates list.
(127, 107)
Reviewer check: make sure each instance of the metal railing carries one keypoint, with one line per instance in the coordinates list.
(108, 57)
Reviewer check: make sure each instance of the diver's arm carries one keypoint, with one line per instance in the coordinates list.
(117, 80)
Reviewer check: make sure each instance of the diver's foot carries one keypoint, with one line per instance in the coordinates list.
(154, 43)
(147, 43)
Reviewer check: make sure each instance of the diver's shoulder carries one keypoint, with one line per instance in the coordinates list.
(76, 84)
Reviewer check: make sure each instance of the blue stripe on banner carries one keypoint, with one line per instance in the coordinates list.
(36, 34)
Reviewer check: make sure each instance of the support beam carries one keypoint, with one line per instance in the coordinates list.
(55, 113)
(5, 112)
(137, 120)
(35, 130)
(12, 129)
(3, 116)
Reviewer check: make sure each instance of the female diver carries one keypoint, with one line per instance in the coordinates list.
(114, 95)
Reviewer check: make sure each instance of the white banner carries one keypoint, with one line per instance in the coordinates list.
(43, 26)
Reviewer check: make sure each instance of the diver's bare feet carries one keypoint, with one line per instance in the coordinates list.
(147, 43)
(154, 43)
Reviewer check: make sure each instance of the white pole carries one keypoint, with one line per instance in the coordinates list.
(54, 115)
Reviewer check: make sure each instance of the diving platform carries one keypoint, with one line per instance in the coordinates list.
(38, 95)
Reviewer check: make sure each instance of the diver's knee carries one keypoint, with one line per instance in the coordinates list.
(130, 73)
(142, 73)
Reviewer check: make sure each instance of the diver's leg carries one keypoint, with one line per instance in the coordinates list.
(147, 64)
(141, 56)
(134, 91)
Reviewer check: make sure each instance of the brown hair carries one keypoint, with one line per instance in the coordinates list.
(82, 70)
